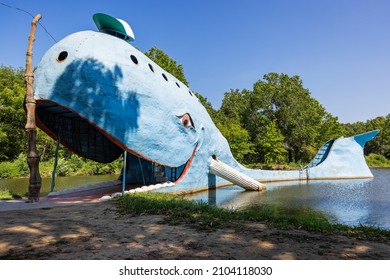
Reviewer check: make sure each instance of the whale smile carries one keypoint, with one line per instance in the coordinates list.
(85, 138)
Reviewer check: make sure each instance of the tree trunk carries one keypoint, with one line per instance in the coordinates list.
(32, 154)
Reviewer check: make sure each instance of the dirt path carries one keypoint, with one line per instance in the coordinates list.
(95, 231)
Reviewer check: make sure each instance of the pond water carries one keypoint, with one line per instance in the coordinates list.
(350, 202)
(20, 185)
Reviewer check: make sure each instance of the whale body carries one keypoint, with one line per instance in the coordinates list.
(100, 96)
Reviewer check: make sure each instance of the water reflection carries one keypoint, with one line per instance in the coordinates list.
(351, 202)
(20, 185)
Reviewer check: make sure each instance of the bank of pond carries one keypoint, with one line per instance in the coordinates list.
(349, 202)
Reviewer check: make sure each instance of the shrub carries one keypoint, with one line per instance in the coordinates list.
(7, 170)
(375, 160)
(16, 168)
(22, 165)
(63, 168)
(5, 194)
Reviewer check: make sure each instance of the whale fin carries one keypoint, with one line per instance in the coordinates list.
(361, 139)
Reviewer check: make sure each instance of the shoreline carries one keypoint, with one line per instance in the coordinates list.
(87, 231)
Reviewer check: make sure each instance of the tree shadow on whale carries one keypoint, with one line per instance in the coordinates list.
(98, 115)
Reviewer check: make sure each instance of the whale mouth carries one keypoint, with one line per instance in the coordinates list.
(88, 140)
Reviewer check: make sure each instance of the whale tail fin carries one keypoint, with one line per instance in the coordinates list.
(361, 139)
(341, 158)
(323, 152)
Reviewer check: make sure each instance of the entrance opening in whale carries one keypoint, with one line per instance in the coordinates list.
(145, 172)
(84, 138)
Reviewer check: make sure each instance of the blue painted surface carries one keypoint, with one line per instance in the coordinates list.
(100, 101)
(361, 139)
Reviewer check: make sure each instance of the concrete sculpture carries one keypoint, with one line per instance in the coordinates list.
(100, 96)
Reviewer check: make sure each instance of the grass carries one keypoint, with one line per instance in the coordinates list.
(5, 194)
(203, 216)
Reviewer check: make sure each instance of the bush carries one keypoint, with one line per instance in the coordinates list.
(16, 168)
(5, 194)
(7, 170)
(375, 160)
(72, 166)
(22, 165)
(95, 168)
(63, 167)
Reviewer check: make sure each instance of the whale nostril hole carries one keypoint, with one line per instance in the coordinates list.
(62, 56)
(134, 59)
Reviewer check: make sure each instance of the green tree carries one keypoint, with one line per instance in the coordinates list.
(301, 119)
(330, 128)
(381, 143)
(13, 139)
(376, 145)
(235, 104)
(271, 145)
(167, 63)
(12, 115)
(385, 140)
(237, 137)
(354, 128)
(209, 108)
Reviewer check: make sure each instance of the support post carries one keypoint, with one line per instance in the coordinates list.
(53, 174)
(32, 154)
(142, 171)
(124, 172)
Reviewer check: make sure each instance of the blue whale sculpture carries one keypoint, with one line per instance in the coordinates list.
(100, 96)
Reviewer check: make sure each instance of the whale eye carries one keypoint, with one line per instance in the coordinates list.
(186, 121)
(62, 56)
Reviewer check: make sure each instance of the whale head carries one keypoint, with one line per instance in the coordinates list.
(100, 96)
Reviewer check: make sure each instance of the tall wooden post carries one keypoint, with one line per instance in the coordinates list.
(31, 128)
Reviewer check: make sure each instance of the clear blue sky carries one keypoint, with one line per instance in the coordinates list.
(339, 48)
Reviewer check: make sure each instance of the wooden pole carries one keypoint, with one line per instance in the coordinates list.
(124, 172)
(53, 174)
(31, 128)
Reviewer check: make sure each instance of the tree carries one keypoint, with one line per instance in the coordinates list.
(167, 63)
(13, 140)
(299, 117)
(209, 108)
(381, 143)
(12, 115)
(237, 137)
(385, 140)
(354, 128)
(235, 104)
(271, 145)
(330, 128)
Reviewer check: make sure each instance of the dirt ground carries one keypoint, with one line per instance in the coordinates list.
(95, 231)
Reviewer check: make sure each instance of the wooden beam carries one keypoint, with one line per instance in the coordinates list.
(31, 128)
